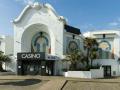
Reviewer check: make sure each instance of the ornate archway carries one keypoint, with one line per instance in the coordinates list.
(41, 43)
(34, 33)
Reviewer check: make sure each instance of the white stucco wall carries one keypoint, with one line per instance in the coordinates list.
(39, 17)
(93, 73)
(9, 45)
(114, 34)
(78, 38)
(110, 34)
(78, 74)
(2, 45)
(112, 62)
(97, 73)
(6, 44)
(34, 19)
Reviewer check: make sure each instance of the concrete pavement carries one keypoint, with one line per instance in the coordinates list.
(56, 83)
(53, 85)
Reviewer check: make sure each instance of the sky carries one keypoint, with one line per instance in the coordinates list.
(88, 15)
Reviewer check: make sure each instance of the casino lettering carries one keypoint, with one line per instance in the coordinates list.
(30, 56)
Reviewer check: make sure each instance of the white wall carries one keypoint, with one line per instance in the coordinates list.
(112, 62)
(6, 44)
(34, 20)
(93, 73)
(39, 17)
(9, 45)
(2, 46)
(70, 36)
(115, 34)
(78, 74)
(97, 73)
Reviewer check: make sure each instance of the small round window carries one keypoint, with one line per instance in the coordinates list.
(72, 46)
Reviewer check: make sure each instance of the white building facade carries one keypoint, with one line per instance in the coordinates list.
(2, 43)
(41, 39)
(6, 44)
(109, 50)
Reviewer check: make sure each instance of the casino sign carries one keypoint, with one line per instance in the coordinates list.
(36, 56)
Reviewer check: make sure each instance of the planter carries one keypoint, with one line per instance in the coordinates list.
(93, 73)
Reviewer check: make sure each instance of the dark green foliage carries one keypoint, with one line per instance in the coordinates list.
(3, 58)
(73, 57)
(76, 56)
(91, 45)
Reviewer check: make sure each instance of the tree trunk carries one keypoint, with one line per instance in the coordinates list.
(1, 69)
(73, 66)
(87, 58)
(91, 62)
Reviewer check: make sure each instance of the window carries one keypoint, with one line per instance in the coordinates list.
(40, 43)
(104, 49)
(72, 46)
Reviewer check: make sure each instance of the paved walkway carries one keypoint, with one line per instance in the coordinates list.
(53, 83)
(56, 84)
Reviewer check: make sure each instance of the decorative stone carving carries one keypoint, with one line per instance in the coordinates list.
(37, 6)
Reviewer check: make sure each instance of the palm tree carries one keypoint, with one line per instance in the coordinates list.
(93, 55)
(3, 58)
(73, 57)
(92, 46)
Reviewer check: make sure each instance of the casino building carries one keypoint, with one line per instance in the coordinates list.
(41, 39)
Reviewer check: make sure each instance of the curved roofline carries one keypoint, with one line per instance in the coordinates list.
(21, 14)
(37, 6)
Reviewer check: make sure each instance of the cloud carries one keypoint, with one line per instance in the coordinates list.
(26, 1)
(87, 27)
(115, 23)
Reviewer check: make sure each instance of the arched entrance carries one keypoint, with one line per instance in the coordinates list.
(35, 44)
(35, 31)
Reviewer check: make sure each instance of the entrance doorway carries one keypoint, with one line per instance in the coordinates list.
(107, 70)
(43, 67)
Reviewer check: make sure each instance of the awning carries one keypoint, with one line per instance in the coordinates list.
(72, 29)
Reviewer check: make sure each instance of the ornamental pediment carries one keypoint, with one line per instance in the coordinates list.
(41, 9)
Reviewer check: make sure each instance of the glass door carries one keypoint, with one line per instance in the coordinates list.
(42, 67)
(30, 68)
(107, 71)
(47, 68)
(50, 67)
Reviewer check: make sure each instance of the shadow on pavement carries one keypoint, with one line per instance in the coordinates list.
(25, 82)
